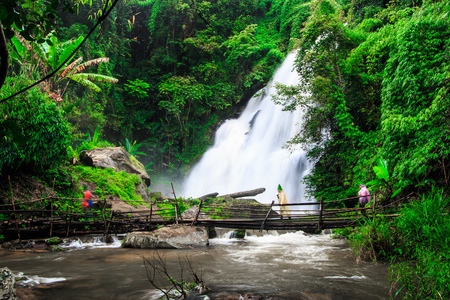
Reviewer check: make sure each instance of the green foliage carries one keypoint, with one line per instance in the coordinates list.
(426, 223)
(372, 85)
(92, 142)
(44, 131)
(384, 181)
(31, 18)
(137, 88)
(415, 96)
(416, 243)
(375, 240)
(132, 148)
(424, 227)
(167, 207)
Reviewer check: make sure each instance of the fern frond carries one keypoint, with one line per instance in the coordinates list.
(96, 134)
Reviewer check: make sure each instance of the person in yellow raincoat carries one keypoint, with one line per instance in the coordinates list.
(285, 211)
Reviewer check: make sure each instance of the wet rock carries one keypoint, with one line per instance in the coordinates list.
(109, 239)
(173, 237)
(7, 290)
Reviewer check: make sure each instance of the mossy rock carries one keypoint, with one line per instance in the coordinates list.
(53, 241)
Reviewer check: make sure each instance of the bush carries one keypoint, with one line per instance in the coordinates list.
(46, 134)
(416, 242)
(424, 227)
(376, 240)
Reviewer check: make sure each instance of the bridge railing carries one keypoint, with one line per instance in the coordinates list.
(59, 220)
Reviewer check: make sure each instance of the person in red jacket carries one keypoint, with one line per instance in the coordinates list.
(87, 199)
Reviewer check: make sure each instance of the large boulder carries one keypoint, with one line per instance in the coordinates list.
(173, 237)
(116, 158)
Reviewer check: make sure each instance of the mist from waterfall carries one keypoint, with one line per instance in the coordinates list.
(248, 151)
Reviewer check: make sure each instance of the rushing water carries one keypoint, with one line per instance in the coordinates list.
(248, 151)
(289, 265)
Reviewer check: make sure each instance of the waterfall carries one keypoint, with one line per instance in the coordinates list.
(248, 151)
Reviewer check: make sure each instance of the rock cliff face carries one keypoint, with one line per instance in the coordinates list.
(173, 237)
(118, 159)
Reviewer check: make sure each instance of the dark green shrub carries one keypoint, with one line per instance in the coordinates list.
(46, 134)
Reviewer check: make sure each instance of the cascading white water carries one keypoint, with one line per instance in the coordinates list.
(248, 152)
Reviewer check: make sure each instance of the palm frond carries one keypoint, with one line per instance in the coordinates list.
(69, 47)
(55, 96)
(85, 82)
(91, 63)
(53, 53)
(71, 66)
(95, 77)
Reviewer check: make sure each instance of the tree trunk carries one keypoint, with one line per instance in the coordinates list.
(3, 57)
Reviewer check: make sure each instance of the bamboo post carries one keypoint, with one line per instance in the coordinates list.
(104, 214)
(109, 223)
(150, 214)
(51, 216)
(198, 212)
(51, 209)
(176, 204)
(14, 207)
(319, 225)
(68, 226)
(267, 215)
(67, 220)
(69, 216)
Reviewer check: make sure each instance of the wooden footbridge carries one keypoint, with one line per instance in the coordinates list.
(22, 221)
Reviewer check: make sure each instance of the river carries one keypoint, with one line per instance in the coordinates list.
(290, 265)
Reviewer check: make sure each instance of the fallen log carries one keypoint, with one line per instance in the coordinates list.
(249, 193)
(212, 195)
